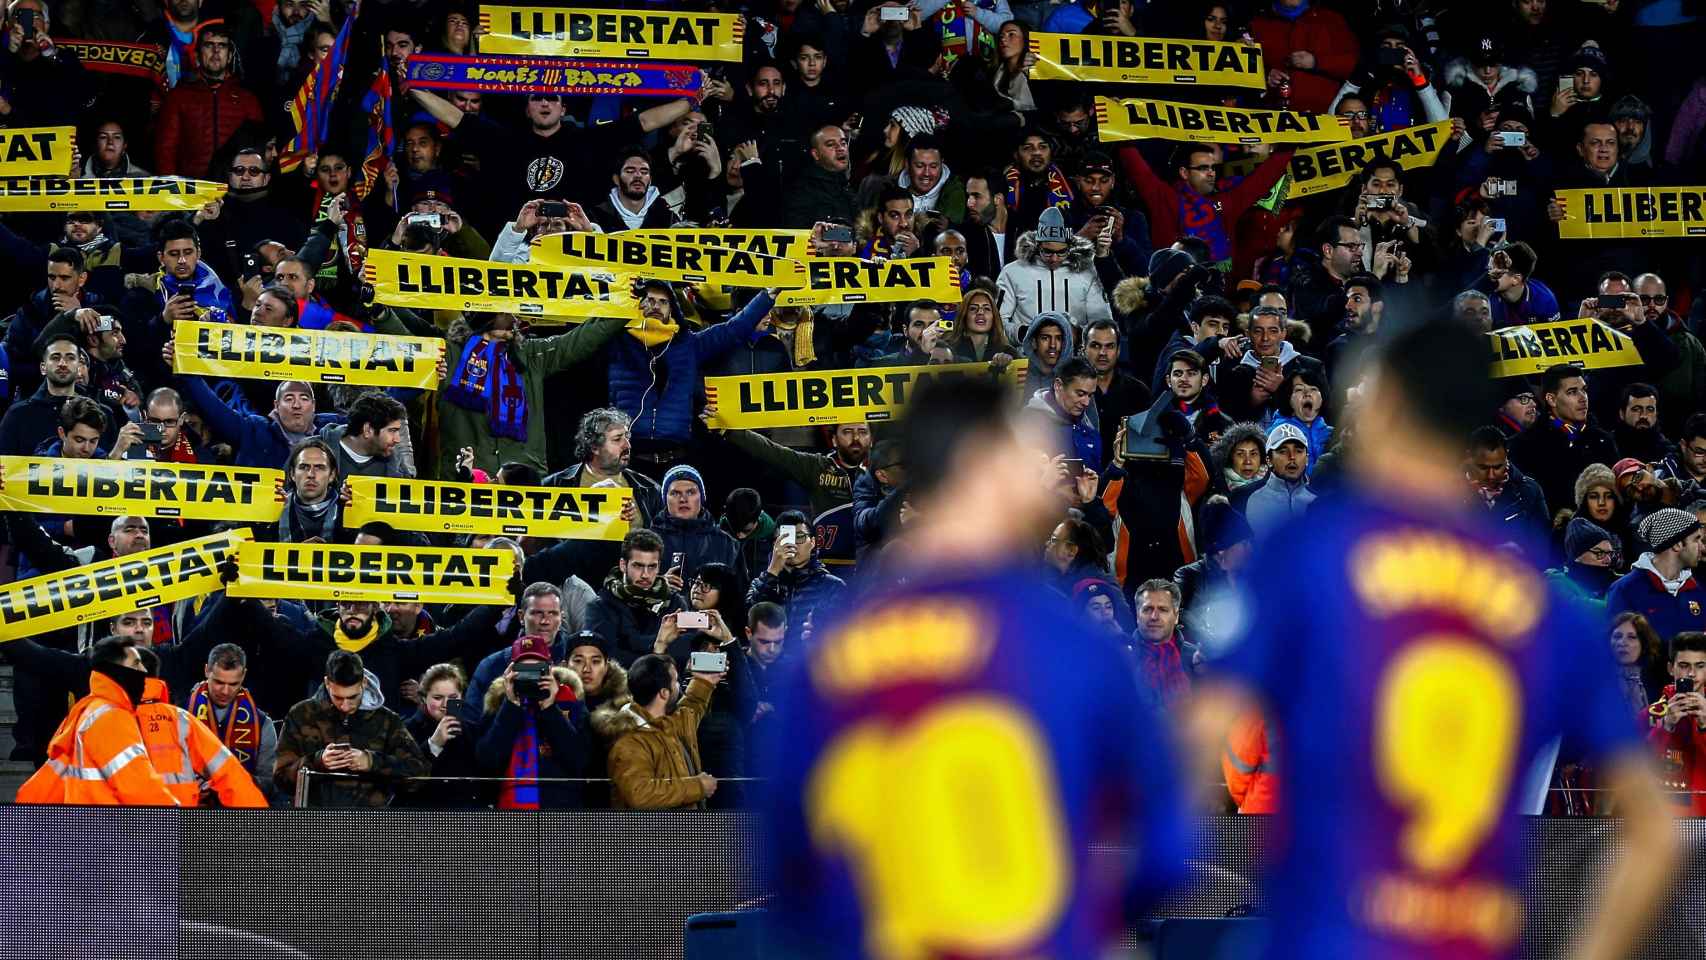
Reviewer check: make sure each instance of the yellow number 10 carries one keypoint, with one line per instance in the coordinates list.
(1447, 720)
(952, 827)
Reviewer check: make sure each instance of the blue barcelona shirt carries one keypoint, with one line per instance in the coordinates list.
(952, 749)
(1412, 670)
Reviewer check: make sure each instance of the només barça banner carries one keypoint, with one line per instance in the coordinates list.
(1526, 350)
(117, 193)
(761, 400)
(1159, 119)
(140, 488)
(447, 71)
(537, 290)
(287, 353)
(570, 513)
(328, 571)
(1633, 212)
(611, 34)
(669, 259)
(137, 581)
(1075, 56)
(852, 280)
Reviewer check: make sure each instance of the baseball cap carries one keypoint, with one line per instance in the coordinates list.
(530, 647)
(1285, 432)
(1626, 466)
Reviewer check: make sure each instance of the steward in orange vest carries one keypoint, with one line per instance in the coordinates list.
(188, 755)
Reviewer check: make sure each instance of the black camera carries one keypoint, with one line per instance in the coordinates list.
(553, 208)
(530, 680)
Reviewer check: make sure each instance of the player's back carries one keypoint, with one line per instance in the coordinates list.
(1412, 669)
(952, 748)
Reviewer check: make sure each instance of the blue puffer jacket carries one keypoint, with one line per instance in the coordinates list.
(257, 441)
(656, 386)
(803, 592)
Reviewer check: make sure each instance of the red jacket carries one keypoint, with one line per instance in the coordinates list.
(1683, 754)
(196, 119)
(1164, 200)
(1324, 34)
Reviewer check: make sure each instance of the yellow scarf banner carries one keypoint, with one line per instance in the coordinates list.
(137, 581)
(37, 151)
(1198, 123)
(54, 194)
(757, 401)
(140, 488)
(569, 513)
(321, 356)
(333, 571)
(1320, 169)
(1526, 350)
(788, 244)
(611, 34)
(669, 259)
(1630, 213)
(852, 280)
(1078, 56)
(537, 291)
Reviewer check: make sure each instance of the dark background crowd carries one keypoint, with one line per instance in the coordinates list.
(1177, 284)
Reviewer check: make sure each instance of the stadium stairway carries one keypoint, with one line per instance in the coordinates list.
(12, 775)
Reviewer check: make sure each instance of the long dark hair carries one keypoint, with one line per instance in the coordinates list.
(731, 595)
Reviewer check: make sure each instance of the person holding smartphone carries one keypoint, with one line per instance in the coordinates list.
(447, 739)
(1678, 723)
(796, 578)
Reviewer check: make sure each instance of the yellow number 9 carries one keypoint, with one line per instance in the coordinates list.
(1447, 718)
(952, 826)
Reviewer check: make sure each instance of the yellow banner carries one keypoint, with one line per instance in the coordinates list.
(611, 34)
(118, 193)
(756, 401)
(1078, 56)
(852, 280)
(669, 259)
(1588, 343)
(37, 151)
(138, 581)
(1628, 213)
(1198, 123)
(569, 513)
(322, 356)
(140, 488)
(1320, 169)
(332, 571)
(789, 244)
(538, 291)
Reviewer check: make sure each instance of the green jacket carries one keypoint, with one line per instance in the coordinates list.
(1681, 390)
(459, 427)
(827, 482)
(1593, 606)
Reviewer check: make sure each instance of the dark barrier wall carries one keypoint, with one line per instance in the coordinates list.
(351, 885)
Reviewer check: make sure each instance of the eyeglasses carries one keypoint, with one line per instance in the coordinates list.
(247, 171)
(161, 421)
(1656, 299)
(1353, 245)
(1524, 398)
(1201, 168)
(1601, 553)
(1354, 115)
(1043, 251)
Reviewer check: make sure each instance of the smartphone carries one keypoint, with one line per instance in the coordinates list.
(1497, 223)
(1381, 202)
(675, 560)
(693, 620)
(1073, 465)
(945, 326)
(252, 265)
(1389, 57)
(703, 132)
(1567, 83)
(453, 707)
(1507, 188)
(894, 14)
(707, 663)
(788, 536)
(1685, 685)
(27, 22)
(1612, 301)
(1270, 363)
(151, 433)
(838, 235)
(1513, 138)
(553, 208)
(433, 220)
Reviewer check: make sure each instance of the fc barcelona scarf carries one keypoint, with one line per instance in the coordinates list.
(487, 379)
(241, 732)
(521, 790)
(1059, 191)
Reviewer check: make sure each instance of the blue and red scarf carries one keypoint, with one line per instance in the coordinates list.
(521, 790)
(241, 731)
(1199, 216)
(487, 379)
(1059, 190)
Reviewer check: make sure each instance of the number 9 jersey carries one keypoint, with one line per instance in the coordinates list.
(948, 754)
(1412, 669)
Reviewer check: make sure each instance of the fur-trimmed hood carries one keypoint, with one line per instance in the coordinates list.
(615, 685)
(1460, 72)
(608, 721)
(1131, 294)
(1082, 256)
(495, 692)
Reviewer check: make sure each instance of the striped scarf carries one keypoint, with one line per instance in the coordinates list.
(1059, 190)
(521, 791)
(487, 379)
(1164, 670)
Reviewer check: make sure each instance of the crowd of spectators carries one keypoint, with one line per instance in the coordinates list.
(1191, 334)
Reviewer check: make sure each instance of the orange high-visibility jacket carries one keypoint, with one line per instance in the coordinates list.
(98, 757)
(185, 753)
(1249, 766)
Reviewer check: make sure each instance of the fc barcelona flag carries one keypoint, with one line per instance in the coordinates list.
(381, 137)
(312, 109)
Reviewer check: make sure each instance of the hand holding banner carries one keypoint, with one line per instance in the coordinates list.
(570, 513)
(812, 398)
(669, 259)
(37, 151)
(322, 356)
(1525, 350)
(1080, 56)
(1161, 120)
(1630, 213)
(140, 488)
(535, 291)
(145, 61)
(136, 581)
(565, 77)
(331, 571)
(1320, 169)
(649, 34)
(852, 280)
(117, 193)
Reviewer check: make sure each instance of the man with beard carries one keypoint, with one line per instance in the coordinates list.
(1640, 487)
(604, 443)
(1118, 394)
(1518, 408)
(655, 762)
(200, 115)
(1049, 339)
(1637, 430)
(762, 120)
(932, 185)
(1098, 200)
(1364, 302)
(33, 420)
(633, 204)
(345, 728)
(1660, 584)
(1679, 388)
(67, 274)
(44, 84)
(821, 192)
(985, 225)
(1510, 500)
(827, 477)
(249, 217)
(1197, 204)
(631, 605)
(796, 578)
(1033, 184)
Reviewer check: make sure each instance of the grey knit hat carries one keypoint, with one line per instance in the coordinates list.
(1667, 527)
(1051, 227)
